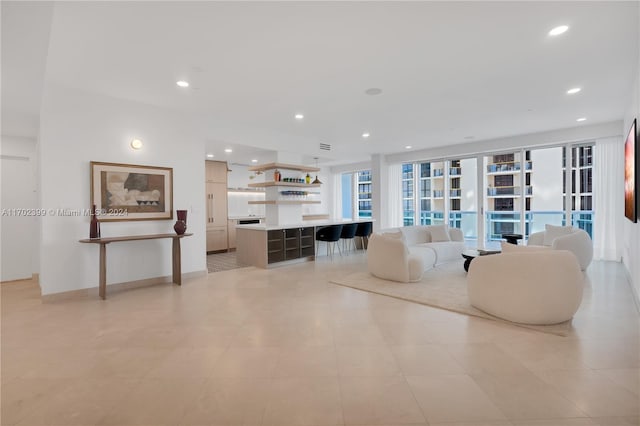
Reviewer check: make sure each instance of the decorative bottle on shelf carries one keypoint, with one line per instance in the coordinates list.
(276, 176)
(181, 224)
(94, 225)
(307, 179)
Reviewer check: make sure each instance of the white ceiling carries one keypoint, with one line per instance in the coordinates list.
(448, 70)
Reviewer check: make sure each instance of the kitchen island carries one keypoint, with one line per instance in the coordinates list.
(266, 246)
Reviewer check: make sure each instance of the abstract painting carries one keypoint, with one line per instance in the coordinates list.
(630, 175)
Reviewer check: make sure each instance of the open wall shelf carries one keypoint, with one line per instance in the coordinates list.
(273, 166)
(294, 184)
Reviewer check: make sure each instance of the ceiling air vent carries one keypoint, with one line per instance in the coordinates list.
(325, 146)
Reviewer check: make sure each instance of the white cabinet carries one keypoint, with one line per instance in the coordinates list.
(217, 239)
(216, 171)
(231, 232)
(216, 202)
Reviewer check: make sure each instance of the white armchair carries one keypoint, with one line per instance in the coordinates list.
(575, 240)
(530, 287)
(388, 257)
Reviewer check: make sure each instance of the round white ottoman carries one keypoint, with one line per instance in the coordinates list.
(542, 287)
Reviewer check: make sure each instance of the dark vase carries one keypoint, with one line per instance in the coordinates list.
(181, 224)
(94, 225)
(180, 227)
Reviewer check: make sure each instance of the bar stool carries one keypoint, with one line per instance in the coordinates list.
(348, 234)
(329, 234)
(363, 231)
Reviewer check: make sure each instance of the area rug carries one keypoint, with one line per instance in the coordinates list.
(443, 287)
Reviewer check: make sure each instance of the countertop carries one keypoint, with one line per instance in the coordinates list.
(304, 224)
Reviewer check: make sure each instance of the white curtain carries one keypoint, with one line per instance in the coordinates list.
(608, 197)
(395, 196)
(337, 196)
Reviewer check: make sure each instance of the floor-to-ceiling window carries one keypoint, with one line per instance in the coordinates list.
(346, 184)
(463, 197)
(408, 201)
(356, 194)
(504, 195)
(364, 193)
(582, 187)
(520, 191)
(435, 214)
(426, 205)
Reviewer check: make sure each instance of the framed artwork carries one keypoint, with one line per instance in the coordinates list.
(631, 175)
(123, 192)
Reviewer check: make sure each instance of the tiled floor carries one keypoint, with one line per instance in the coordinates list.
(284, 347)
(219, 262)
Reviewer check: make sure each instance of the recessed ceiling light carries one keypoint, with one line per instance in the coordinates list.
(254, 161)
(182, 83)
(373, 91)
(408, 147)
(210, 155)
(299, 116)
(558, 30)
(136, 144)
(573, 91)
(228, 150)
(365, 135)
(581, 119)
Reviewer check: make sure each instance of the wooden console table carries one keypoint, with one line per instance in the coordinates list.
(177, 271)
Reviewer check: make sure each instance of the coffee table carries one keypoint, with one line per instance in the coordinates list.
(512, 238)
(471, 254)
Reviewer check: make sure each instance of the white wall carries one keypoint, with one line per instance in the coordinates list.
(76, 128)
(241, 177)
(19, 233)
(631, 231)
(326, 194)
(238, 202)
(379, 199)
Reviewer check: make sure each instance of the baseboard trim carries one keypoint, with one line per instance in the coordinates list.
(85, 293)
(35, 277)
(636, 297)
(18, 280)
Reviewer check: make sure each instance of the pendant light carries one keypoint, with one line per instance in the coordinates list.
(316, 181)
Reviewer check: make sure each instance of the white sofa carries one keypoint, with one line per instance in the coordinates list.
(529, 287)
(388, 257)
(421, 242)
(577, 241)
(403, 254)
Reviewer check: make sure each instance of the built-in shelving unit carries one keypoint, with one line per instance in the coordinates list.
(284, 196)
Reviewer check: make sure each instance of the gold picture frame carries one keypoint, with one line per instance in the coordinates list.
(128, 192)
